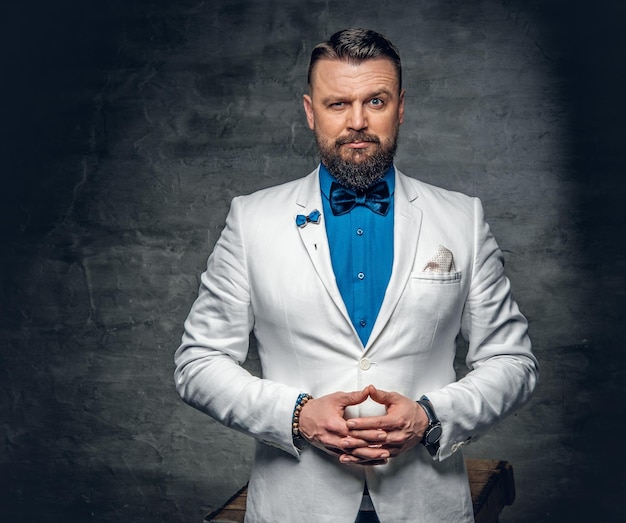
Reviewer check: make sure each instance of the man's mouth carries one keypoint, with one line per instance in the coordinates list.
(357, 141)
(357, 145)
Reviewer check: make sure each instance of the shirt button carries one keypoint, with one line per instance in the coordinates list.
(360, 276)
(359, 231)
(363, 322)
(365, 364)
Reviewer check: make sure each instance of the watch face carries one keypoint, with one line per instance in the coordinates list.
(433, 435)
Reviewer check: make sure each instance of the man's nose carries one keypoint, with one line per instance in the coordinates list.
(357, 120)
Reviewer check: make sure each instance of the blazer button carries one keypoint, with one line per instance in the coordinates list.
(365, 364)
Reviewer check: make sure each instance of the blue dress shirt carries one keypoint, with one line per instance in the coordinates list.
(361, 251)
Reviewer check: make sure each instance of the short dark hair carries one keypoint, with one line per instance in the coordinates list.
(356, 45)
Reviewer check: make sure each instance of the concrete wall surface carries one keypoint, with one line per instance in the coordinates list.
(127, 127)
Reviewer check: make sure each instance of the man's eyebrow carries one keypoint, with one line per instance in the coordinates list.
(340, 98)
(378, 93)
(332, 99)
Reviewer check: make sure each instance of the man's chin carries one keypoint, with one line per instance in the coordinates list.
(355, 156)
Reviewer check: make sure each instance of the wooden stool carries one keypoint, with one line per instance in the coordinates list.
(491, 483)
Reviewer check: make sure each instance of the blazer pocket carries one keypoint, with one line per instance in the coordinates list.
(430, 309)
(437, 278)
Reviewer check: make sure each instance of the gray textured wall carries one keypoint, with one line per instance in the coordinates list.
(127, 127)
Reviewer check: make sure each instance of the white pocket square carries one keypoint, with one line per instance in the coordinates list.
(442, 261)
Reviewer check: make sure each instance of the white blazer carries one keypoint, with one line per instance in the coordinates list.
(271, 276)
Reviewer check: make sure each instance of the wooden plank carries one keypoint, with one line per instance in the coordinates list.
(233, 511)
(492, 485)
(491, 481)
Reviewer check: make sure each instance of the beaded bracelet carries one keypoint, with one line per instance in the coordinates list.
(295, 420)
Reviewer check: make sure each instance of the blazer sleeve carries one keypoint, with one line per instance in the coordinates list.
(503, 370)
(215, 343)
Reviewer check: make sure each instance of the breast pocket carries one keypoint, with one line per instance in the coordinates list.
(432, 301)
(437, 278)
(435, 294)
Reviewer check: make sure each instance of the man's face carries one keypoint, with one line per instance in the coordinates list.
(355, 111)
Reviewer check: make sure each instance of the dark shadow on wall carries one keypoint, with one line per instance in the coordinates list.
(588, 54)
(55, 56)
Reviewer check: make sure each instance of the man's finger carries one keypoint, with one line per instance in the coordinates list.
(347, 458)
(380, 396)
(369, 436)
(355, 397)
(368, 423)
(370, 453)
(366, 439)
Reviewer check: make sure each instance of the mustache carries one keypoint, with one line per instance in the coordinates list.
(357, 137)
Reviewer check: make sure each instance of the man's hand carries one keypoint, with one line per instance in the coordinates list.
(403, 425)
(322, 424)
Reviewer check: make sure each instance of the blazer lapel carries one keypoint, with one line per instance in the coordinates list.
(315, 240)
(407, 225)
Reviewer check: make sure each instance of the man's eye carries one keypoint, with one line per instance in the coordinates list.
(337, 104)
(376, 101)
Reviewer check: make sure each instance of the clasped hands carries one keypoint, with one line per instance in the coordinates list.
(369, 440)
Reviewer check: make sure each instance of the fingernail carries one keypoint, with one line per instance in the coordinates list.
(351, 424)
(382, 435)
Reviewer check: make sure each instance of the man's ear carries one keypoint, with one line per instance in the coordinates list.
(308, 109)
(401, 107)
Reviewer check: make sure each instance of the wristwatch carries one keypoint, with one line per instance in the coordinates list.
(433, 431)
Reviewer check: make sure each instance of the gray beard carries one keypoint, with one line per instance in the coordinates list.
(359, 175)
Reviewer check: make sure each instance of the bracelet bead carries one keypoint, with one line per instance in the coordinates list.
(302, 400)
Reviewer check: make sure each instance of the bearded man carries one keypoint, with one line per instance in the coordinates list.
(356, 280)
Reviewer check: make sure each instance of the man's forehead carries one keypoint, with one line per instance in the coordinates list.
(381, 69)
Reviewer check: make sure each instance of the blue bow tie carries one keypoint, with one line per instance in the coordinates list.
(313, 217)
(375, 198)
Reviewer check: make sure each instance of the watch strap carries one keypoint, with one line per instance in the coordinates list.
(428, 408)
(434, 425)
